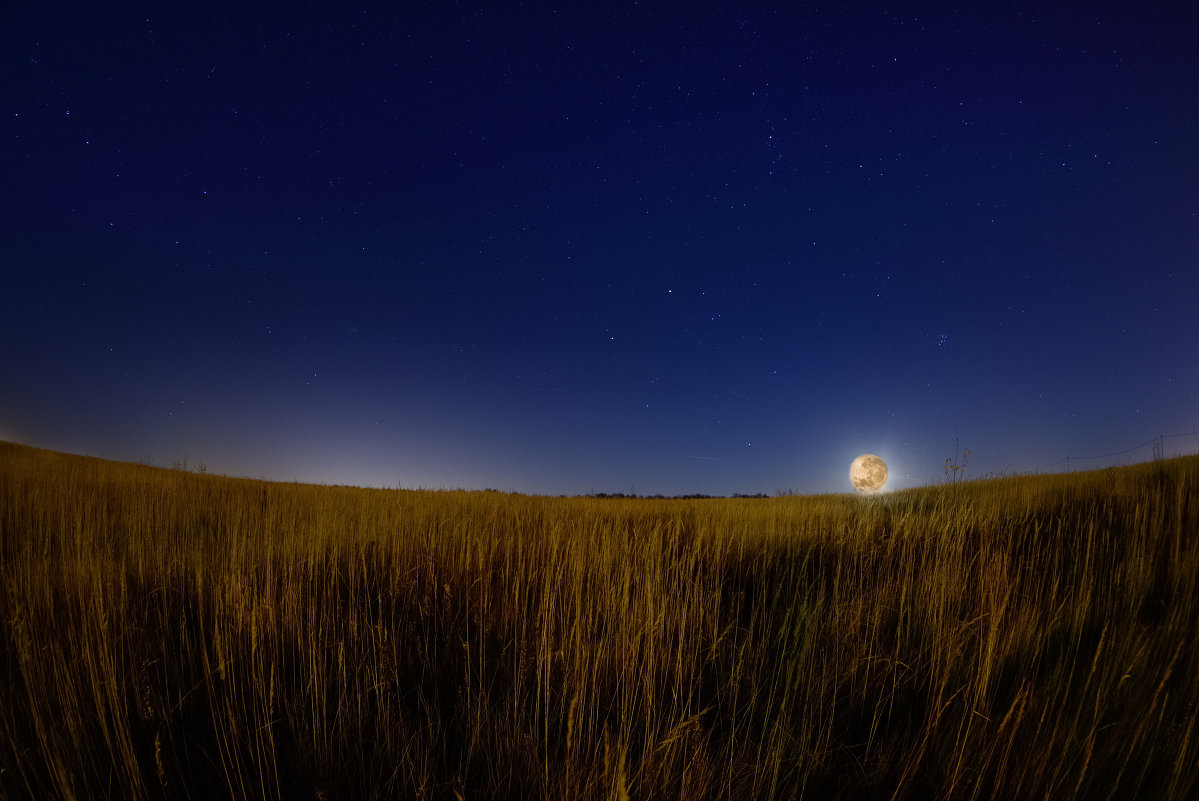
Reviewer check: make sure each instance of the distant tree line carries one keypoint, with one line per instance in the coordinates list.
(688, 497)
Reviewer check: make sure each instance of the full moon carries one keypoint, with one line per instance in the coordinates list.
(868, 473)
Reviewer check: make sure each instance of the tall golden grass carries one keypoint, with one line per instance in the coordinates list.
(167, 635)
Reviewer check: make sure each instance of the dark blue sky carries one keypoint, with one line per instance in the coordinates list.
(640, 248)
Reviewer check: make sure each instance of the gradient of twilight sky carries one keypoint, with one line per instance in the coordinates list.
(639, 248)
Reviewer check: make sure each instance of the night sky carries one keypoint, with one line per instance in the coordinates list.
(640, 248)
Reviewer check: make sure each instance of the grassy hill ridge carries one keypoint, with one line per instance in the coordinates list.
(171, 635)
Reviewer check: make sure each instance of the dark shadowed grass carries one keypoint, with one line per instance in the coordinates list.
(167, 635)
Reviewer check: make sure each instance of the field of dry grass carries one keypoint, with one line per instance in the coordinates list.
(167, 635)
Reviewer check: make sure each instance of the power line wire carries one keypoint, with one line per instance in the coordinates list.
(1160, 438)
